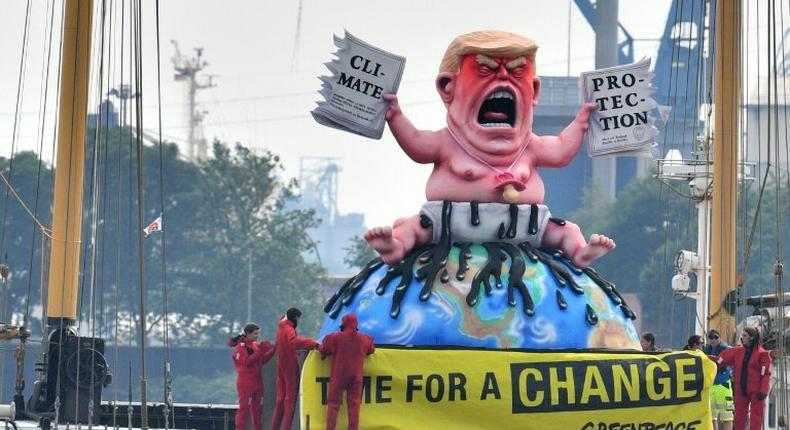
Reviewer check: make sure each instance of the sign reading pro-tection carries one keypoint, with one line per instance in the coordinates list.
(410, 388)
(622, 124)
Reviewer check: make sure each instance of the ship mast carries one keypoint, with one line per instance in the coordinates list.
(50, 393)
(64, 262)
(727, 87)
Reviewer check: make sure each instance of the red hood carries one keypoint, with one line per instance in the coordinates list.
(350, 322)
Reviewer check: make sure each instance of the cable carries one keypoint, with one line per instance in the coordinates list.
(168, 395)
(119, 185)
(138, 76)
(19, 96)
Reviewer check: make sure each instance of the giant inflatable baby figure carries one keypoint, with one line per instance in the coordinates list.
(485, 161)
(487, 153)
(484, 264)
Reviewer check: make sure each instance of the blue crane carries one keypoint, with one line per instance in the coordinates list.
(625, 48)
(679, 68)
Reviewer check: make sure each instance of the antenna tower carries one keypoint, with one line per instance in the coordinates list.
(186, 70)
(124, 94)
(318, 184)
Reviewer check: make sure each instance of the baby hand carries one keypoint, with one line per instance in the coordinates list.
(583, 117)
(394, 109)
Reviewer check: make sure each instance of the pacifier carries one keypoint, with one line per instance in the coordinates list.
(509, 185)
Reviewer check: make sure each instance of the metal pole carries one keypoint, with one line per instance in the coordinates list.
(192, 116)
(703, 268)
(138, 80)
(568, 59)
(249, 287)
(604, 169)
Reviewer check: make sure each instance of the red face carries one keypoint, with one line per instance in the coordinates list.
(492, 102)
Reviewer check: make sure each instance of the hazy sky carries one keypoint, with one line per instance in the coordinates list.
(267, 82)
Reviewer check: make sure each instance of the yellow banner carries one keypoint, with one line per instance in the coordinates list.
(411, 388)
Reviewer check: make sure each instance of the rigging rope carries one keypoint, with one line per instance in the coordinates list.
(14, 134)
(744, 194)
(22, 349)
(138, 76)
(297, 36)
(168, 381)
(665, 257)
(95, 208)
(683, 35)
(704, 85)
(779, 264)
(130, 201)
(690, 319)
(9, 187)
(17, 109)
(46, 246)
(43, 113)
(118, 224)
(783, 382)
(88, 248)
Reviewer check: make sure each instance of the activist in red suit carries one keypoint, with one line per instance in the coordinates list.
(248, 357)
(288, 368)
(348, 348)
(751, 378)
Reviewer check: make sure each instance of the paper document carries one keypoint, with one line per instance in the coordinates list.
(360, 74)
(623, 124)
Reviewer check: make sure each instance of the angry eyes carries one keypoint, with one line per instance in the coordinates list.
(487, 66)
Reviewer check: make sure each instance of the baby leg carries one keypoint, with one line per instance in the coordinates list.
(569, 239)
(393, 243)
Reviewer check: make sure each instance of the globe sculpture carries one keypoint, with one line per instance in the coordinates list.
(490, 295)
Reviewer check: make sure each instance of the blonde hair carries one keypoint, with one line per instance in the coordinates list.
(489, 42)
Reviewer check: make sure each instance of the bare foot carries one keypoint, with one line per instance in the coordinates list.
(598, 246)
(389, 248)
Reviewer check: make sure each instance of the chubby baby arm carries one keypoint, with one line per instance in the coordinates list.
(422, 146)
(393, 243)
(558, 151)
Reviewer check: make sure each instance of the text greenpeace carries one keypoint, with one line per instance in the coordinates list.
(473, 388)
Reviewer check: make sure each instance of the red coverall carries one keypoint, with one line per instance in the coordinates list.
(758, 378)
(349, 348)
(287, 372)
(249, 357)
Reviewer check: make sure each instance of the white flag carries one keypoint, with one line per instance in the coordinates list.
(156, 225)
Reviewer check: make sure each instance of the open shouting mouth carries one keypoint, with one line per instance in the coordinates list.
(498, 109)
